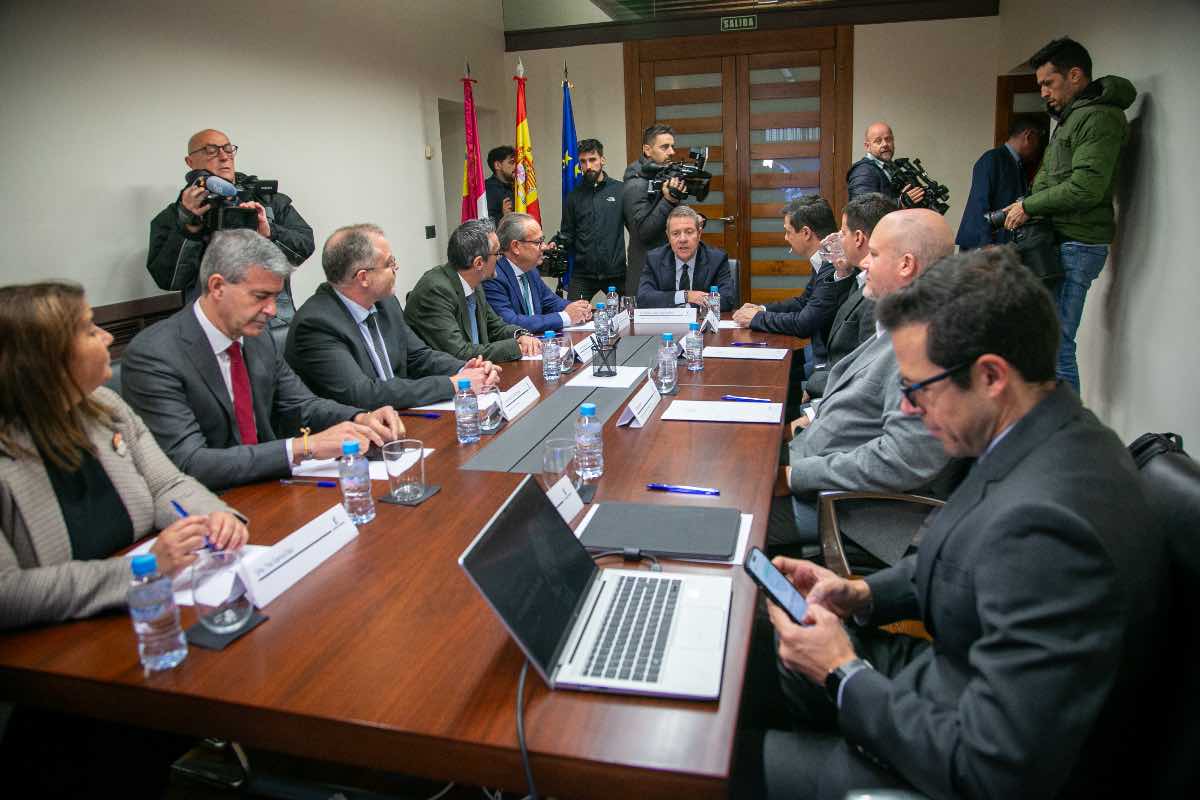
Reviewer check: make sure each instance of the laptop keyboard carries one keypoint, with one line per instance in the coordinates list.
(634, 634)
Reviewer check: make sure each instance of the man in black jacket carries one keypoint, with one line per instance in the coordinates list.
(591, 226)
(997, 181)
(872, 173)
(499, 186)
(645, 213)
(178, 237)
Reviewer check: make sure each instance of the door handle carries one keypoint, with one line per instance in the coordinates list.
(730, 220)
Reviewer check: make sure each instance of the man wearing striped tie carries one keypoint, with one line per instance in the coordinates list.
(517, 292)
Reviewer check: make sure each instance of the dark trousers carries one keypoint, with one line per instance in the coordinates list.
(585, 287)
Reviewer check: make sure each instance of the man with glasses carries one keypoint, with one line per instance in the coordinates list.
(1040, 580)
(448, 310)
(517, 292)
(859, 440)
(349, 341)
(178, 236)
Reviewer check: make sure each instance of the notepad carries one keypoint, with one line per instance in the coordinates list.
(750, 353)
(722, 411)
(702, 532)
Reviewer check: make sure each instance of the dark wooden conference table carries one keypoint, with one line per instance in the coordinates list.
(386, 657)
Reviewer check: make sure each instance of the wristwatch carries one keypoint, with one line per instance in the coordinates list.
(834, 680)
(519, 332)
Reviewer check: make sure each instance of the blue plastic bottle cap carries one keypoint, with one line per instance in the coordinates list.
(350, 447)
(713, 289)
(669, 337)
(144, 565)
(549, 335)
(599, 305)
(693, 326)
(587, 410)
(612, 288)
(464, 383)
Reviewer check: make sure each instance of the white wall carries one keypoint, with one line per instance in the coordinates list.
(336, 100)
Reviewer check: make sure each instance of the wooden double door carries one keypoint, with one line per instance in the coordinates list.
(774, 110)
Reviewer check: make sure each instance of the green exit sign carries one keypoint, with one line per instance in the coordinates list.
(746, 22)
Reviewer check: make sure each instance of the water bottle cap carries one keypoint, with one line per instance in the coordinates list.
(612, 288)
(714, 289)
(548, 335)
(143, 565)
(350, 447)
(587, 410)
(693, 326)
(668, 337)
(600, 305)
(464, 383)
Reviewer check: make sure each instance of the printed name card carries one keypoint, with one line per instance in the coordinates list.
(621, 321)
(665, 316)
(583, 350)
(638, 412)
(711, 324)
(518, 398)
(565, 498)
(271, 572)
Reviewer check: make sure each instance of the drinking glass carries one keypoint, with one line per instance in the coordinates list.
(491, 412)
(628, 304)
(405, 462)
(558, 457)
(568, 354)
(221, 602)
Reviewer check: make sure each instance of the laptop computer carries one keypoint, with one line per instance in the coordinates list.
(582, 627)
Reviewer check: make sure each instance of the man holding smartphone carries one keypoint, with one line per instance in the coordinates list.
(1038, 581)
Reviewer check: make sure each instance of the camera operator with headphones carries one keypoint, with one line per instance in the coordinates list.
(180, 232)
(646, 213)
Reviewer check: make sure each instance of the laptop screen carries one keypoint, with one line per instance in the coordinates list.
(532, 569)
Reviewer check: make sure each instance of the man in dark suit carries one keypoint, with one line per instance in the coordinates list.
(997, 180)
(872, 173)
(499, 185)
(517, 292)
(854, 321)
(681, 271)
(449, 311)
(218, 396)
(1038, 580)
(349, 341)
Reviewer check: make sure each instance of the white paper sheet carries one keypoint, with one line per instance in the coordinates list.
(585, 327)
(747, 353)
(664, 316)
(722, 411)
(538, 357)
(445, 405)
(739, 549)
(727, 324)
(625, 377)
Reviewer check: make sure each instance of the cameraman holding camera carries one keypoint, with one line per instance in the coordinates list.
(646, 213)
(180, 233)
(873, 172)
(591, 226)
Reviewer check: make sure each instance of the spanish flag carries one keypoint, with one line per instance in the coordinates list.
(474, 198)
(525, 195)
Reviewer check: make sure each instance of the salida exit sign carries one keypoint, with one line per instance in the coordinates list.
(746, 22)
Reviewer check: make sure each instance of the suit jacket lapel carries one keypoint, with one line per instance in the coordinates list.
(852, 301)
(858, 360)
(461, 309)
(340, 316)
(199, 352)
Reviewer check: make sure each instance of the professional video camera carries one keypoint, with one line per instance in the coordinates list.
(554, 263)
(909, 173)
(695, 179)
(224, 198)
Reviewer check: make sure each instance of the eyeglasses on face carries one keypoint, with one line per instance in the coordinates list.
(911, 390)
(389, 264)
(539, 241)
(211, 150)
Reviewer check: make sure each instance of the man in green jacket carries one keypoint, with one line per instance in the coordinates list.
(450, 313)
(1074, 186)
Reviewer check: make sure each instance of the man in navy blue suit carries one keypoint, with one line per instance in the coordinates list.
(997, 180)
(517, 292)
(681, 271)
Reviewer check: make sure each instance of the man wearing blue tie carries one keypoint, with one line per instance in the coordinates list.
(517, 292)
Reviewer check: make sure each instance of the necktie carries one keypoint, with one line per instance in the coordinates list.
(243, 402)
(385, 363)
(685, 281)
(471, 316)
(524, 281)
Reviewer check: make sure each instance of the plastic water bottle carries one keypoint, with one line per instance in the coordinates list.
(714, 301)
(355, 474)
(603, 327)
(466, 413)
(667, 355)
(589, 445)
(161, 643)
(613, 300)
(551, 360)
(693, 347)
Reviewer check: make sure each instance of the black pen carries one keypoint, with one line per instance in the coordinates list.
(671, 487)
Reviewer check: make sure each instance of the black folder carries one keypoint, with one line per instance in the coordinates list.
(671, 531)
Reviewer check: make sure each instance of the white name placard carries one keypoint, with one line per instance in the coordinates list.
(518, 398)
(712, 322)
(270, 572)
(584, 348)
(621, 321)
(638, 412)
(665, 316)
(565, 498)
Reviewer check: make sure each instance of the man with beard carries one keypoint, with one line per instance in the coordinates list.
(873, 172)
(646, 212)
(592, 227)
(499, 185)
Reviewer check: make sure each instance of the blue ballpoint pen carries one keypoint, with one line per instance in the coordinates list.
(425, 414)
(737, 398)
(670, 487)
(750, 344)
(308, 482)
(184, 515)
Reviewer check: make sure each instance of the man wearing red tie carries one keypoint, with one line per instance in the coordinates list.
(219, 398)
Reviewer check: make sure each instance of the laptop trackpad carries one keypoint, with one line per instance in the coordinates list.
(700, 628)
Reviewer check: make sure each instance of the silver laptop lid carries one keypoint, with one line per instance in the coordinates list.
(532, 571)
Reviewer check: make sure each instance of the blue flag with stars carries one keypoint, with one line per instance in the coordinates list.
(570, 162)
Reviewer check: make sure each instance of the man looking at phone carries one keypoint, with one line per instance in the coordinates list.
(1037, 580)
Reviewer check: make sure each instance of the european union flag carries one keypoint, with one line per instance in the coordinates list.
(570, 162)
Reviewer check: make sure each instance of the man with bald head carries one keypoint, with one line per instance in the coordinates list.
(179, 235)
(873, 172)
(858, 439)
